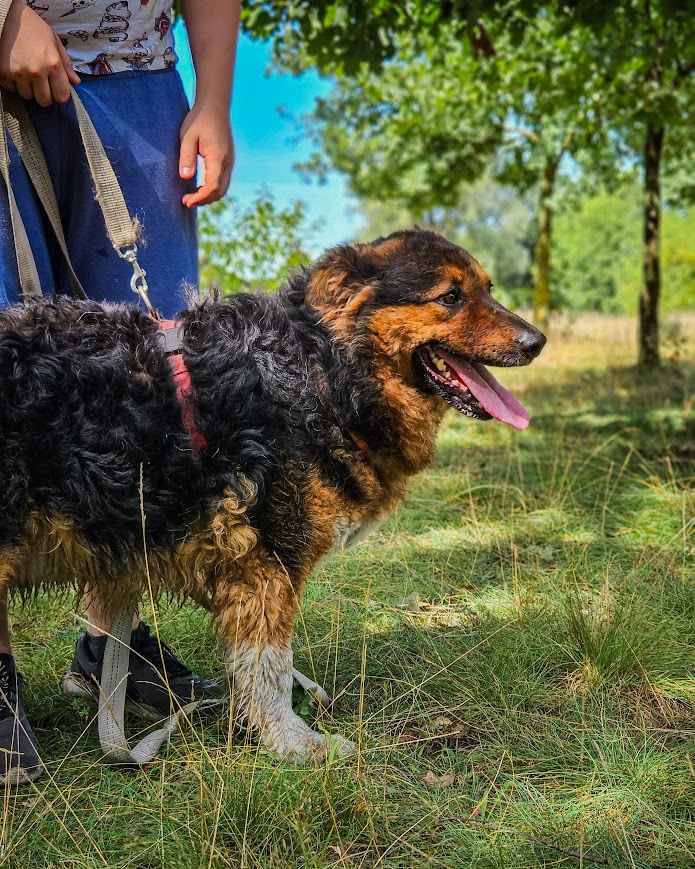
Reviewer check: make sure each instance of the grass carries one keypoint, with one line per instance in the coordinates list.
(514, 653)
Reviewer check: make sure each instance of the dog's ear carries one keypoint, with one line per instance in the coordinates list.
(341, 274)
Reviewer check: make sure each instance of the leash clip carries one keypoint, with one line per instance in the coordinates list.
(138, 282)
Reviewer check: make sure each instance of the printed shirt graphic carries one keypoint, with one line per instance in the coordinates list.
(106, 36)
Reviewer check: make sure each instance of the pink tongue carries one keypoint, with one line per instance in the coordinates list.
(493, 397)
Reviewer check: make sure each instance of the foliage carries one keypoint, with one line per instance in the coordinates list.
(340, 36)
(531, 706)
(648, 75)
(595, 237)
(251, 248)
(597, 263)
(433, 119)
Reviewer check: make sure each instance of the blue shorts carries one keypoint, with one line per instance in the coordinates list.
(138, 116)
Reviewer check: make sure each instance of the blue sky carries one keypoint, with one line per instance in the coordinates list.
(265, 146)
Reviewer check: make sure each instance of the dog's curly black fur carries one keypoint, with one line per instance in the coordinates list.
(87, 399)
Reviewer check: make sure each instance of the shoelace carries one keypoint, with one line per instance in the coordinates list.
(4, 678)
(8, 690)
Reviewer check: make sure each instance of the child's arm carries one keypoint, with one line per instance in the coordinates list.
(33, 61)
(212, 26)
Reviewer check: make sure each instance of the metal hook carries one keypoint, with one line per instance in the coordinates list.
(138, 281)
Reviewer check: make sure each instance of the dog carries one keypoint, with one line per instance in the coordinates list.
(317, 405)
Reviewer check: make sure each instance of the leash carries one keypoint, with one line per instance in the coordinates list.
(112, 697)
(123, 232)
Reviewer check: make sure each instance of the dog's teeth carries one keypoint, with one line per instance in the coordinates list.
(441, 365)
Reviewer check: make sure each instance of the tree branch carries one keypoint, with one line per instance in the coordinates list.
(522, 131)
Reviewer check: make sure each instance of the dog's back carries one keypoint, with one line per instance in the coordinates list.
(86, 401)
(93, 445)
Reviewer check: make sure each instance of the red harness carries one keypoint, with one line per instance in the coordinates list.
(172, 344)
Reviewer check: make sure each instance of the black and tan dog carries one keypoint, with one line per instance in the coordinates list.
(317, 406)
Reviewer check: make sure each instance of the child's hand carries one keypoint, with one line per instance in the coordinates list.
(206, 132)
(33, 61)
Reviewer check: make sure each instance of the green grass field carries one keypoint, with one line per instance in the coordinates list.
(514, 653)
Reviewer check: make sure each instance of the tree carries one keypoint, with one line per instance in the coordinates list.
(649, 85)
(441, 112)
(251, 248)
(643, 49)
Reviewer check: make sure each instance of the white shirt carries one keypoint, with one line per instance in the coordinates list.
(106, 36)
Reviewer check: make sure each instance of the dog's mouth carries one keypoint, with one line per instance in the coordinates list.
(469, 387)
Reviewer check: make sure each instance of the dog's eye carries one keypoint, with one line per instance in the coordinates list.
(453, 297)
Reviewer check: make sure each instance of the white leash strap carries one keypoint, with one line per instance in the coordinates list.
(27, 142)
(112, 696)
(121, 228)
(26, 265)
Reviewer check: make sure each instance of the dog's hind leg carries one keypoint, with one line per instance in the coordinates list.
(255, 616)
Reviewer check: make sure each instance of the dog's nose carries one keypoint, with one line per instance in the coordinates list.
(531, 342)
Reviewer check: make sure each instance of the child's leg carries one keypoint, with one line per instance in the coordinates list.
(19, 760)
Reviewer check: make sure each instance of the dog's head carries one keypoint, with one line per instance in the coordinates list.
(422, 308)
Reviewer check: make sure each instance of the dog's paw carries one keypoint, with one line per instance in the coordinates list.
(338, 746)
(294, 741)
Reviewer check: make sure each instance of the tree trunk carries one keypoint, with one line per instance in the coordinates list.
(648, 336)
(541, 290)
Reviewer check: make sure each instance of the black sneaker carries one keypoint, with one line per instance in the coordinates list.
(147, 693)
(19, 760)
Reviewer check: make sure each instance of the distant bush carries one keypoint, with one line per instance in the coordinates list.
(597, 256)
(254, 247)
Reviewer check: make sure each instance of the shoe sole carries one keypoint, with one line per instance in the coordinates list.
(75, 686)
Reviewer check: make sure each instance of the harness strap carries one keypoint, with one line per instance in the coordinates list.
(171, 339)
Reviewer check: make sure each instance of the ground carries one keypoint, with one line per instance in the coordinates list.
(514, 653)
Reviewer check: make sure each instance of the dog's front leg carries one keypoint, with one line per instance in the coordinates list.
(255, 615)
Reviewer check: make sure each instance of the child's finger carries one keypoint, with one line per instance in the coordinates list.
(216, 181)
(42, 91)
(73, 77)
(200, 197)
(60, 85)
(188, 155)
